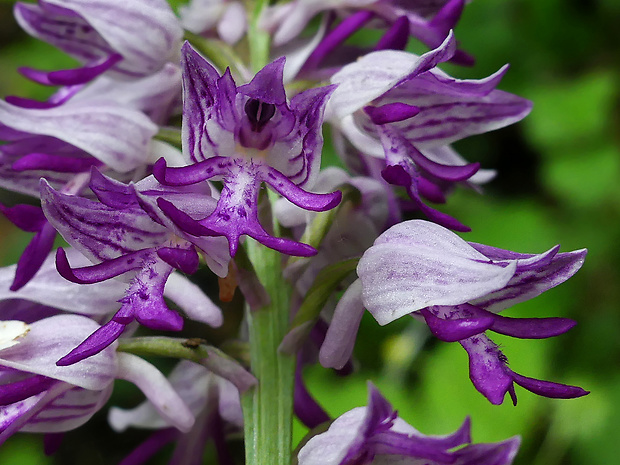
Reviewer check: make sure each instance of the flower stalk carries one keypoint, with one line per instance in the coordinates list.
(268, 407)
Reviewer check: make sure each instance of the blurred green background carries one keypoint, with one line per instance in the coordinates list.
(557, 183)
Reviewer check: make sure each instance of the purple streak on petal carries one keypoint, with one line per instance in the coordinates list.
(183, 220)
(336, 37)
(396, 37)
(52, 442)
(44, 161)
(33, 256)
(85, 74)
(391, 112)
(102, 271)
(110, 192)
(457, 329)
(309, 412)
(186, 260)
(20, 390)
(547, 388)
(267, 85)
(28, 218)
(29, 103)
(147, 449)
(191, 174)
(308, 108)
(298, 196)
(94, 344)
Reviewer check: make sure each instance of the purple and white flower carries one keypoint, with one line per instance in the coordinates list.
(398, 107)
(422, 269)
(376, 435)
(36, 395)
(124, 240)
(245, 136)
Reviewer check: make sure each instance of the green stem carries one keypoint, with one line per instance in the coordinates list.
(268, 407)
(258, 39)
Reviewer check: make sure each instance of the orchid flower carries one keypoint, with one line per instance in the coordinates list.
(128, 39)
(376, 435)
(122, 239)
(39, 396)
(398, 107)
(421, 268)
(245, 136)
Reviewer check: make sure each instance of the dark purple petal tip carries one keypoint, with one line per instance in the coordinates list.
(455, 330)
(548, 388)
(186, 260)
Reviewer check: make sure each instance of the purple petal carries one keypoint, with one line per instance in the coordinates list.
(302, 167)
(94, 344)
(395, 143)
(26, 217)
(101, 272)
(68, 411)
(20, 390)
(396, 37)
(33, 256)
(337, 36)
(487, 368)
(267, 85)
(47, 162)
(547, 388)
(301, 198)
(309, 412)
(391, 112)
(72, 77)
(183, 220)
(110, 192)
(528, 283)
(186, 260)
(186, 175)
(455, 330)
(499, 453)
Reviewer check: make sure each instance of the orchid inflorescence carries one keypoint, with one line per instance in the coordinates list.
(159, 157)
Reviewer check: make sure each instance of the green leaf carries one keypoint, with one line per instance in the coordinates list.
(324, 285)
